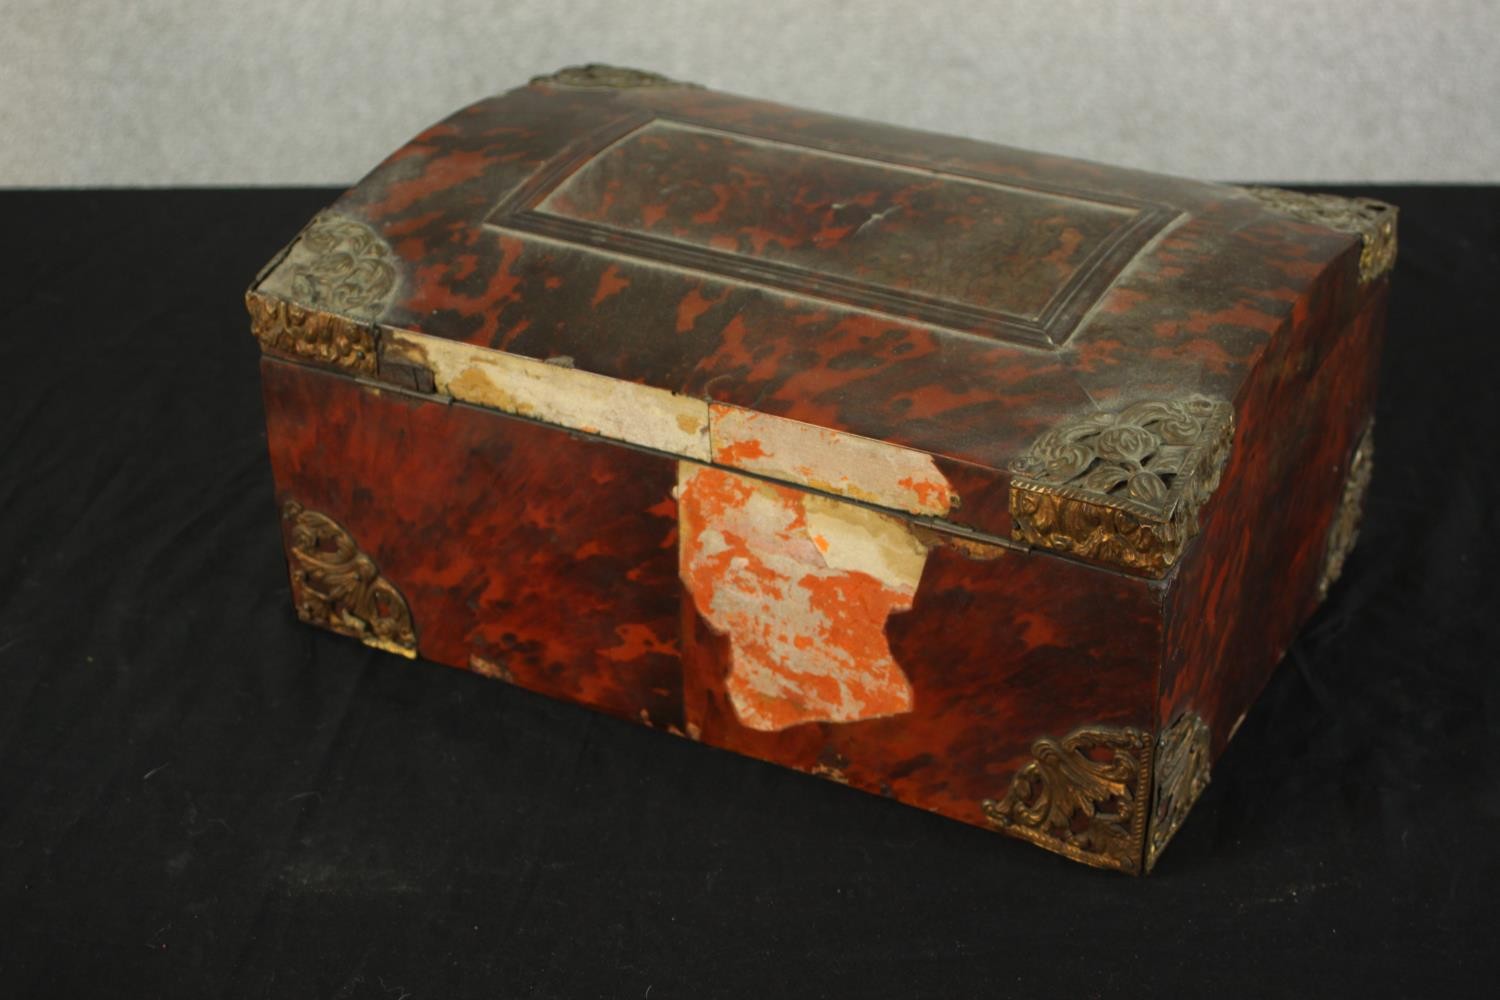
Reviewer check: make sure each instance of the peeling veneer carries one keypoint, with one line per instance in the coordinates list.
(802, 585)
(559, 394)
(829, 460)
(819, 458)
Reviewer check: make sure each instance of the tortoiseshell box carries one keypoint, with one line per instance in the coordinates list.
(993, 482)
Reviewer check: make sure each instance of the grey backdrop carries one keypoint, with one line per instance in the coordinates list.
(105, 92)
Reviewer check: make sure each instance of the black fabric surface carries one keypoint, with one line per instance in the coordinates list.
(200, 797)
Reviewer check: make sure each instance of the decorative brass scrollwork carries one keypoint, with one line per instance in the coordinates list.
(1123, 489)
(1083, 796)
(335, 584)
(1180, 775)
(331, 286)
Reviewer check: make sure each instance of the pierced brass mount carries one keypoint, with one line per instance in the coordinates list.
(1123, 489)
(1109, 796)
(1083, 796)
(1180, 773)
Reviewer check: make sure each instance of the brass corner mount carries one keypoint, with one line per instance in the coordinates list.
(1344, 531)
(336, 584)
(1109, 796)
(1374, 222)
(320, 301)
(1123, 489)
(1083, 796)
(1179, 775)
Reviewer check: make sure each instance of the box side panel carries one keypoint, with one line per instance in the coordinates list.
(522, 551)
(1258, 571)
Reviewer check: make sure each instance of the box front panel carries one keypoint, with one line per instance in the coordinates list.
(994, 686)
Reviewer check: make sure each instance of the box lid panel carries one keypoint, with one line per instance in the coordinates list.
(1015, 261)
(951, 299)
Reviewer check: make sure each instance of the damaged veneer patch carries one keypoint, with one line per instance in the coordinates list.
(802, 585)
(561, 395)
(829, 460)
(819, 458)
